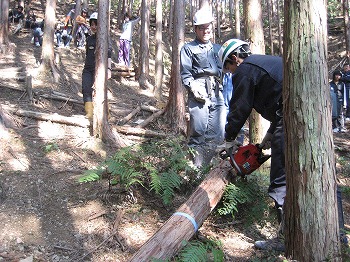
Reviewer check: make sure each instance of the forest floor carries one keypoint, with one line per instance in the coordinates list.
(46, 215)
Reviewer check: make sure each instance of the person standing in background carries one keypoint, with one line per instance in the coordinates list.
(200, 70)
(346, 79)
(125, 40)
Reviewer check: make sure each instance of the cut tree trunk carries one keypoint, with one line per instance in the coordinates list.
(75, 121)
(183, 224)
(140, 132)
(151, 118)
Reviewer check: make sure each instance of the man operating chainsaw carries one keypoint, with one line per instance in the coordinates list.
(258, 84)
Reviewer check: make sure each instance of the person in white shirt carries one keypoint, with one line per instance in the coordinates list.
(125, 40)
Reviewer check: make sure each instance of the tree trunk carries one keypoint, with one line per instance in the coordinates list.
(175, 109)
(47, 52)
(346, 27)
(144, 46)
(255, 34)
(269, 11)
(311, 215)
(101, 127)
(4, 24)
(237, 20)
(167, 241)
(75, 25)
(280, 39)
(158, 76)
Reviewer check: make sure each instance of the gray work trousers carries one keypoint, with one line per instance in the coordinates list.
(277, 188)
(207, 126)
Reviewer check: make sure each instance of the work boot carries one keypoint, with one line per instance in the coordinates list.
(275, 244)
(89, 110)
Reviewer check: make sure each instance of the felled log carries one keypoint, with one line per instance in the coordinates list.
(151, 118)
(122, 68)
(140, 132)
(61, 98)
(75, 121)
(129, 116)
(122, 73)
(149, 108)
(184, 223)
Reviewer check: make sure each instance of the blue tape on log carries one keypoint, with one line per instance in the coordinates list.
(189, 218)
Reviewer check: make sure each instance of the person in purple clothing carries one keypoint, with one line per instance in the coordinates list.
(125, 40)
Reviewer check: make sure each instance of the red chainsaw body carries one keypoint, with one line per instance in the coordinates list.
(247, 159)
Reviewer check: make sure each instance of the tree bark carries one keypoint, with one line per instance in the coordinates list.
(175, 109)
(346, 27)
(144, 46)
(167, 241)
(47, 53)
(280, 39)
(237, 20)
(255, 35)
(311, 215)
(158, 75)
(101, 127)
(4, 24)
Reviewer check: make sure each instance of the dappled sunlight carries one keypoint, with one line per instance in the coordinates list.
(49, 130)
(20, 163)
(136, 234)
(25, 227)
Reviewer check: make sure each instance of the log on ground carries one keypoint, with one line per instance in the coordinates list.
(73, 120)
(183, 224)
(140, 132)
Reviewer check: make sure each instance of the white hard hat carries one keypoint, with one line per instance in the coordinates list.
(93, 16)
(228, 47)
(203, 16)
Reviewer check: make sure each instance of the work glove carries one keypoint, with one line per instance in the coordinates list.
(266, 142)
(229, 146)
(196, 90)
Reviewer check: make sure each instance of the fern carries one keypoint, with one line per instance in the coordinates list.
(235, 195)
(168, 182)
(157, 165)
(194, 251)
(90, 176)
(197, 251)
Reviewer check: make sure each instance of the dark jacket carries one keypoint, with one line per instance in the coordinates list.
(258, 84)
(91, 51)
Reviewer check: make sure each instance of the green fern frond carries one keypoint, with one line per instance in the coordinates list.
(169, 182)
(156, 183)
(89, 176)
(194, 251)
(235, 195)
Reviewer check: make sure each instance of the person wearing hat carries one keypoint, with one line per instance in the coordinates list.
(88, 75)
(257, 82)
(258, 85)
(200, 70)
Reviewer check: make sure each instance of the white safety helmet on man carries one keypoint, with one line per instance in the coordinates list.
(203, 16)
(232, 45)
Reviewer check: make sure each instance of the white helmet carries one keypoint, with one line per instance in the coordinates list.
(203, 16)
(228, 47)
(93, 16)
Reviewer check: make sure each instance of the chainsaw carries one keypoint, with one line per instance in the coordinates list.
(246, 159)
